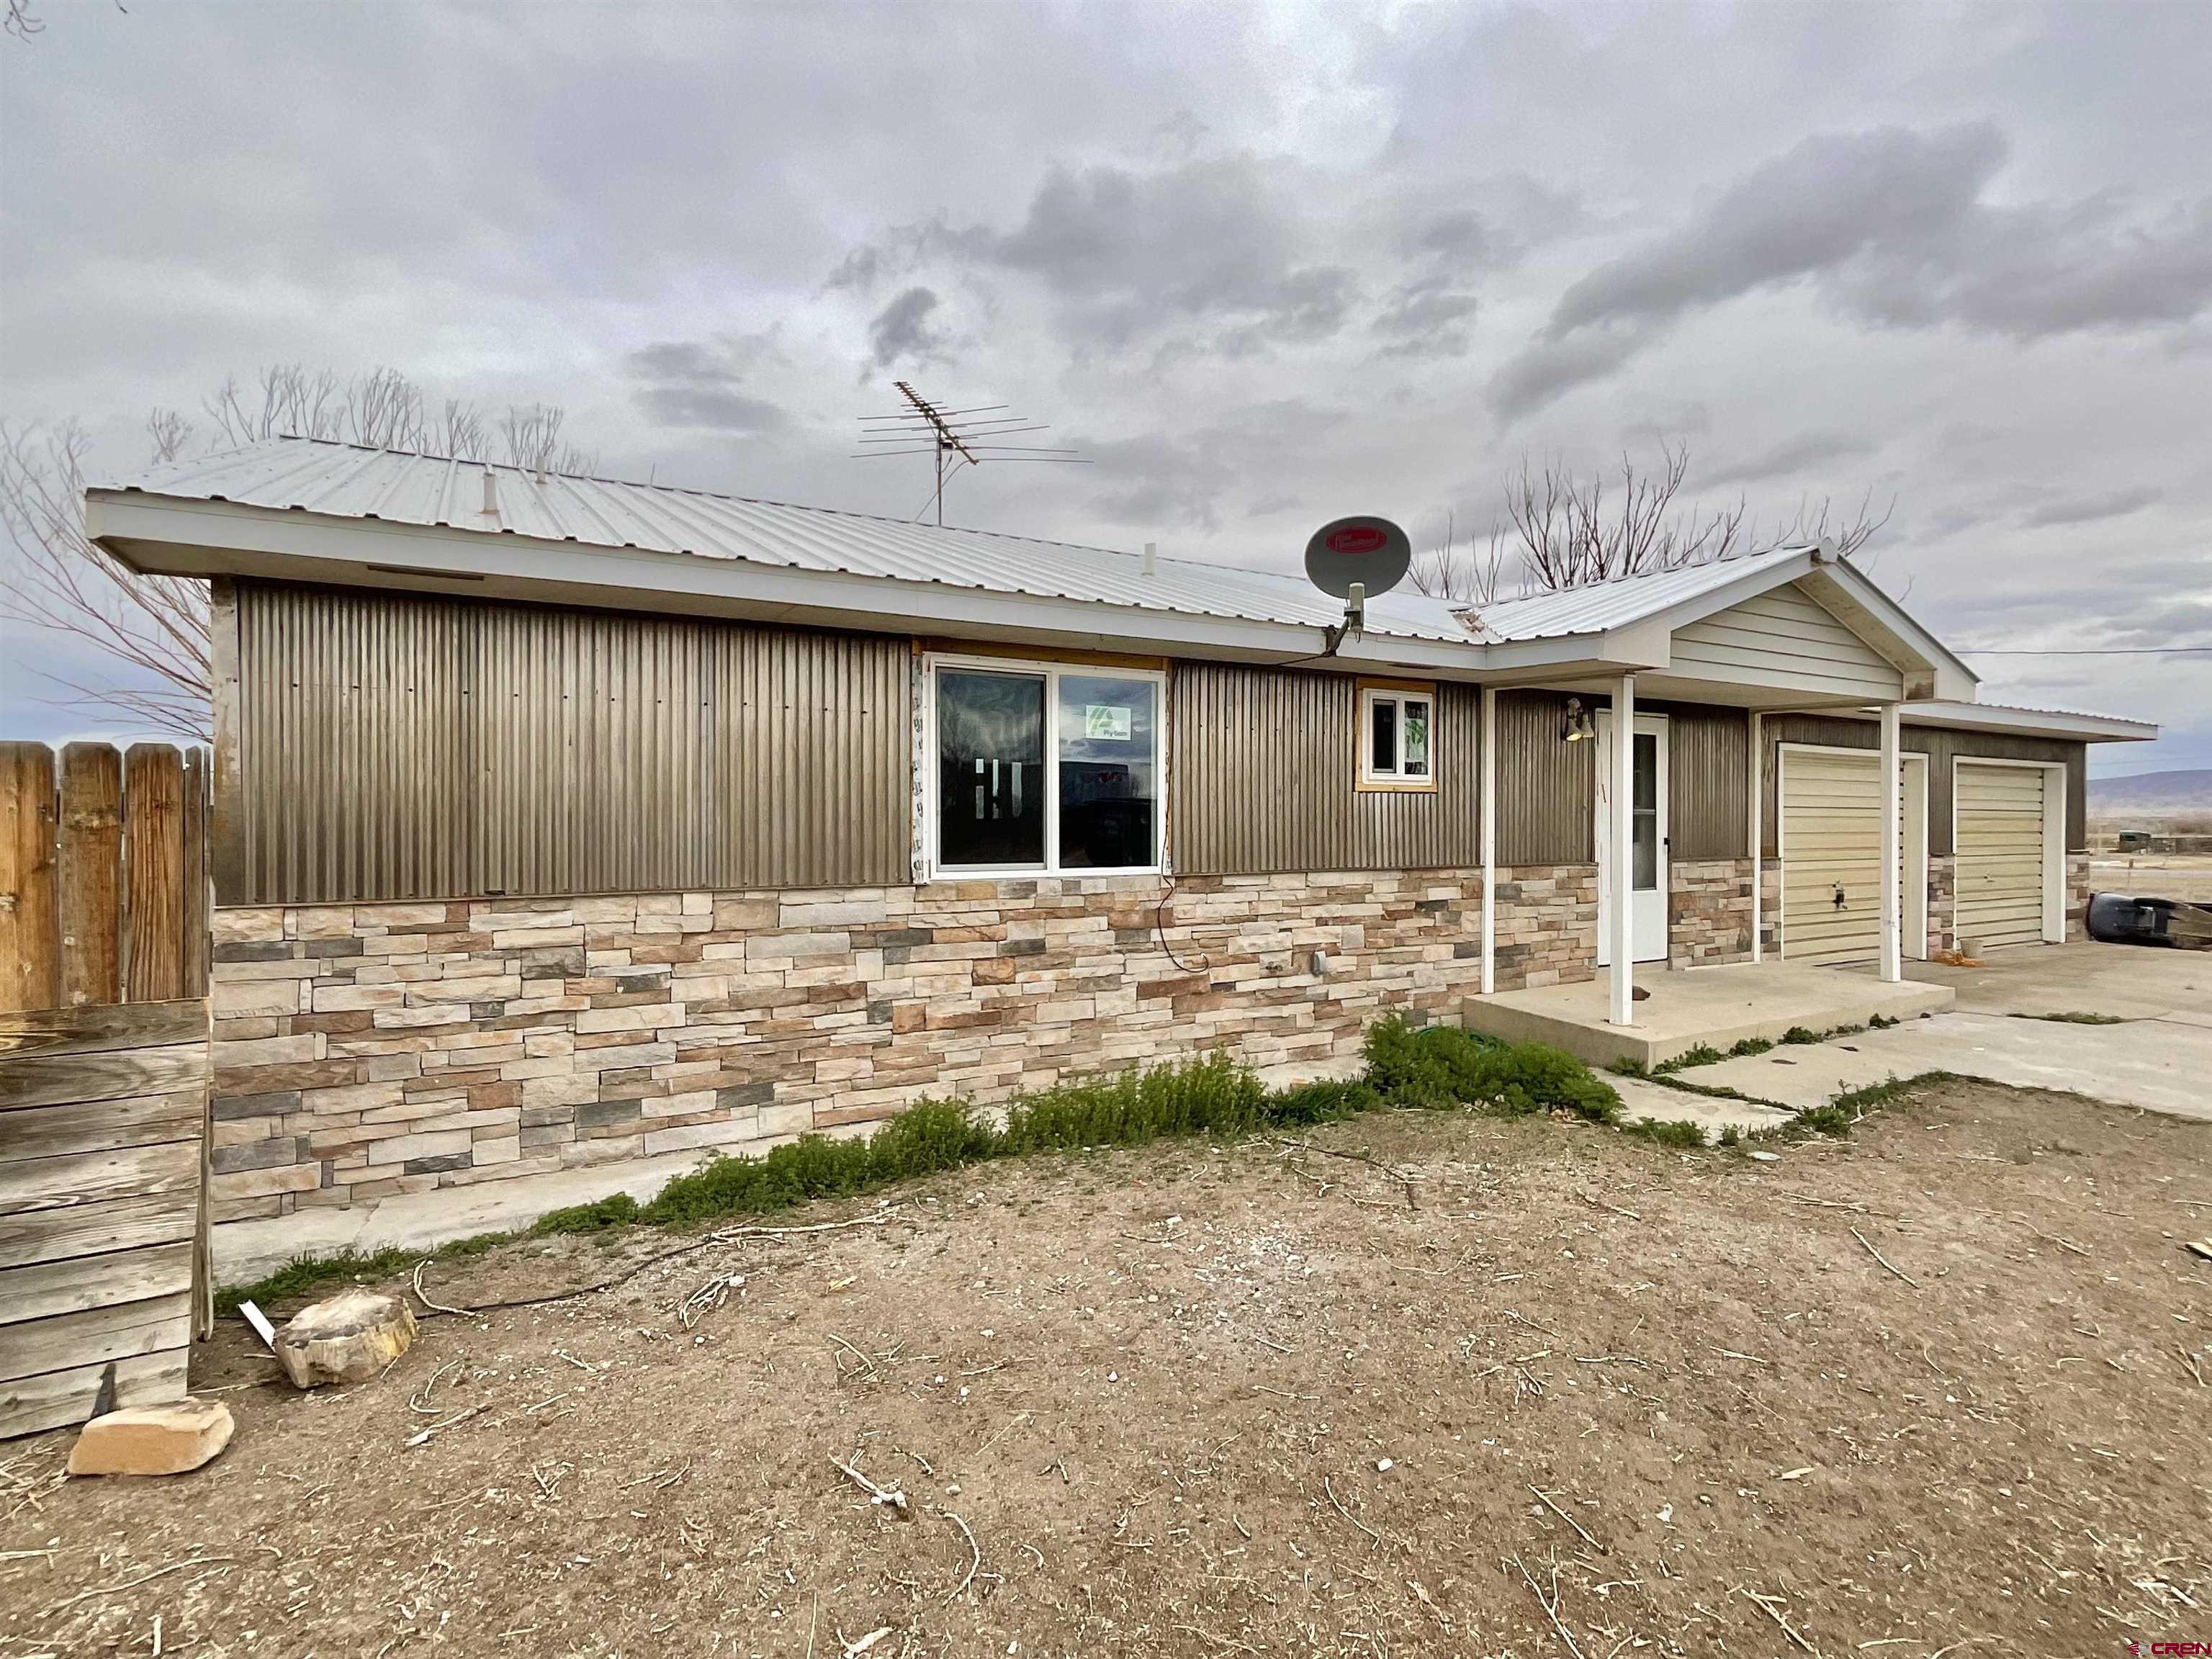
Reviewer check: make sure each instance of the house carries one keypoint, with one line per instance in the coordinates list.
(561, 821)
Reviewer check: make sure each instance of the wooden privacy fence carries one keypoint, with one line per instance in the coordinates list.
(103, 1113)
(103, 874)
(103, 1077)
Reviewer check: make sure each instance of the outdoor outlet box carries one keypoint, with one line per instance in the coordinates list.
(1320, 964)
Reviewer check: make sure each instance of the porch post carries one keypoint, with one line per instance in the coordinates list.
(1620, 893)
(1488, 763)
(1757, 769)
(1892, 923)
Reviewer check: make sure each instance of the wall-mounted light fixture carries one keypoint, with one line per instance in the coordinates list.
(1575, 723)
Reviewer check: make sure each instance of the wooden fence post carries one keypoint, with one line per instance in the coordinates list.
(30, 945)
(90, 858)
(154, 886)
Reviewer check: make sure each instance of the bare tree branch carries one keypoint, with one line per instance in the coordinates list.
(168, 432)
(1570, 531)
(1469, 578)
(21, 22)
(68, 583)
(158, 625)
(534, 442)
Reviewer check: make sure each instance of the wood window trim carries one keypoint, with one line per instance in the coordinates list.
(1362, 782)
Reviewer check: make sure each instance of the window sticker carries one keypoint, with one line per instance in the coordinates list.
(1105, 723)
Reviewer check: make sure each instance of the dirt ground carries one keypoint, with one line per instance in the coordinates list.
(1205, 1401)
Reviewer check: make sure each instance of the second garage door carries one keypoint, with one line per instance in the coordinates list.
(2000, 854)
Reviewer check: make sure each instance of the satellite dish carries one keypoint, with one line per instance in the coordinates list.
(1363, 551)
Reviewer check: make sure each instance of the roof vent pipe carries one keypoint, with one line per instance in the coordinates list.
(1151, 558)
(491, 493)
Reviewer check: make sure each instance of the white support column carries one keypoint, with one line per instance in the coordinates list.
(1488, 763)
(1757, 770)
(1620, 893)
(1893, 920)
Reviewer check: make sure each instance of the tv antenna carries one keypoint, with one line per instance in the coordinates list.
(955, 437)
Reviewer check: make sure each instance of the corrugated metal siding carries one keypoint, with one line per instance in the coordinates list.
(1546, 789)
(1708, 797)
(396, 747)
(1942, 747)
(1265, 774)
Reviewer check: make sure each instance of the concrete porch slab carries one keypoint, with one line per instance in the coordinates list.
(1716, 1007)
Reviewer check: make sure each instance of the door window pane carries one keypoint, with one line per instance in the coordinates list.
(990, 769)
(1382, 753)
(1643, 811)
(1109, 771)
(1416, 722)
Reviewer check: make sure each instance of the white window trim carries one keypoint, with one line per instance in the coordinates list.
(935, 868)
(1401, 695)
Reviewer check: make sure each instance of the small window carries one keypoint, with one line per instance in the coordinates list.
(1398, 730)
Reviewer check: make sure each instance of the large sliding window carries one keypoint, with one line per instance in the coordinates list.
(1038, 766)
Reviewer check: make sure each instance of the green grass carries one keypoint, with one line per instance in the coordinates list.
(1432, 1067)
(2076, 1017)
(304, 1277)
(1667, 1131)
(1749, 1046)
(1702, 1054)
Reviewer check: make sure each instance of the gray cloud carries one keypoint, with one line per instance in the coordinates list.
(2088, 509)
(1792, 455)
(1126, 253)
(1892, 228)
(903, 330)
(690, 383)
(1427, 319)
(1552, 367)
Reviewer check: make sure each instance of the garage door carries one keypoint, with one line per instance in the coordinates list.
(1831, 810)
(2000, 851)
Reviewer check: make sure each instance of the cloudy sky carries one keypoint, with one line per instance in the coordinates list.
(1261, 266)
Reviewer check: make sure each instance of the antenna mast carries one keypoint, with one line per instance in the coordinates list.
(954, 437)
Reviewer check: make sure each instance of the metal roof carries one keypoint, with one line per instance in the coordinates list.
(347, 480)
(1604, 605)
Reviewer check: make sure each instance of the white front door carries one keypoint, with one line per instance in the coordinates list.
(1647, 839)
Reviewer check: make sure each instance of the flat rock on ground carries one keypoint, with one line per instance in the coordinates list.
(152, 1439)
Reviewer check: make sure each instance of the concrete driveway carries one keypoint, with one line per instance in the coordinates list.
(2157, 1057)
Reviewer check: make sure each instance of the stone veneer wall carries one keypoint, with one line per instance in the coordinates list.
(1708, 912)
(2078, 897)
(1546, 926)
(1942, 901)
(369, 1049)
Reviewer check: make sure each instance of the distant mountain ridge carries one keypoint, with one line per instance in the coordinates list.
(2154, 791)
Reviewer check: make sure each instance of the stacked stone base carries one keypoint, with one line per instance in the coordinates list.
(371, 1049)
(1709, 912)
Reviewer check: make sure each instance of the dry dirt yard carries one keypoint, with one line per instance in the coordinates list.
(1590, 1395)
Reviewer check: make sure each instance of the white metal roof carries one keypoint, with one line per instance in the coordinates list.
(288, 506)
(1602, 606)
(347, 481)
(2029, 722)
